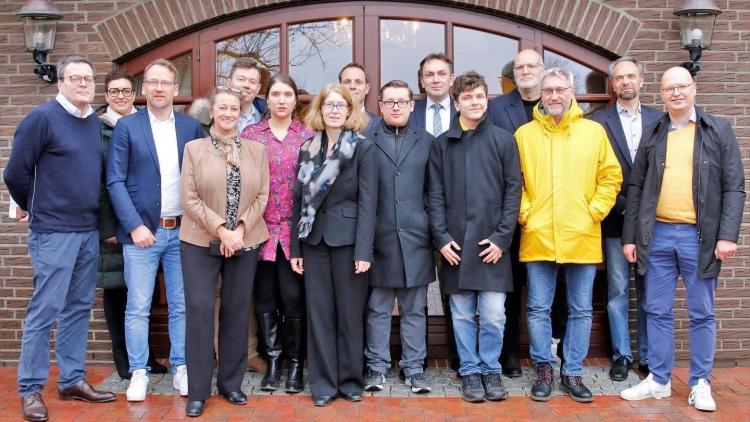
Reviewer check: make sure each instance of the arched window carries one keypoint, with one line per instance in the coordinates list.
(312, 42)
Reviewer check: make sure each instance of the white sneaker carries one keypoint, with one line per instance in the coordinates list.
(700, 396)
(138, 386)
(180, 380)
(646, 389)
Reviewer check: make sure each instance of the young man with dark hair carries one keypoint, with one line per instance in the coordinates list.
(473, 200)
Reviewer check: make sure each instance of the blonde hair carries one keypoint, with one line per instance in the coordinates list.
(164, 63)
(356, 119)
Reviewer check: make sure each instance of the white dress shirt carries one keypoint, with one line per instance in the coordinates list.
(632, 126)
(70, 108)
(445, 115)
(165, 138)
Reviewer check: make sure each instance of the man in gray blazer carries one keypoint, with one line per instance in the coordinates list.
(402, 151)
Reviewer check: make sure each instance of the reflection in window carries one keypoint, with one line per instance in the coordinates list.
(592, 107)
(484, 52)
(262, 46)
(403, 44)
(317, 51)
(184, 76)
(587, 80)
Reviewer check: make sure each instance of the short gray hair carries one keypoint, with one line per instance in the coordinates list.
(66, 60)
(631, 59)
(559, 72)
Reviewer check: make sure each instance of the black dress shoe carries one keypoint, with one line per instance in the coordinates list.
(235, 397)
(573, 385)
(619, 370)
(194, 408)
(352, 396)
(322, 401)
(512, 367)
(643, 368)
(83, 391)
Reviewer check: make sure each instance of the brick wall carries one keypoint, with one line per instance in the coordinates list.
(644, 28)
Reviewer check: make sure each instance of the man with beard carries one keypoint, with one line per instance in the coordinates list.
(624, 123)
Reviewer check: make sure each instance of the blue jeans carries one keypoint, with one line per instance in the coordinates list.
(618, 276)
(579, 280)
(674, 252)
(141, 265)
(491, 307)
(64, 286)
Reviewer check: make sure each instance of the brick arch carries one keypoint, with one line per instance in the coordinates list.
(149, 21)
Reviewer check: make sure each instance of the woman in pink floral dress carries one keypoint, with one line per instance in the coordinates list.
(280, 293)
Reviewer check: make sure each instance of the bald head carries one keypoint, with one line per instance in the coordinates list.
(678, 91)
(527, 70)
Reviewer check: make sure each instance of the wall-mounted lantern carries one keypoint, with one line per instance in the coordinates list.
(39, 28)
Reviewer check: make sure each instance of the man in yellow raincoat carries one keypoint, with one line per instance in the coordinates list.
(571, 178)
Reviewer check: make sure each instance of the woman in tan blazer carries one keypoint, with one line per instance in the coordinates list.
(224, 194)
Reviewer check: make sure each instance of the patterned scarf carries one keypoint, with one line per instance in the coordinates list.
(228, 146)
(317, 175)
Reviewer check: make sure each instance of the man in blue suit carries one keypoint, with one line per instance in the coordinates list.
(624, 123)
(143, 179)
(436, 77)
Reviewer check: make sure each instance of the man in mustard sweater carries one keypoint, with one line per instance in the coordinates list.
(685, 160)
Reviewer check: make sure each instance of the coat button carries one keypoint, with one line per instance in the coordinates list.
(398, 173)
(398, 201)
(400, 229)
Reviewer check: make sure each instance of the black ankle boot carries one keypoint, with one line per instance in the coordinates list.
(269, 333)
(294, 330)
(121, 363)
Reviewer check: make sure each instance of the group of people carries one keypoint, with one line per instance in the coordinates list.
(315, 225)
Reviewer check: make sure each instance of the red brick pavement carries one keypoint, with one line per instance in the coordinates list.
(731, 388)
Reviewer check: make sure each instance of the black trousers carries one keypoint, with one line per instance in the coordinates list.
(513, 309)
(335, 319)
(200, 272)
(278, 288)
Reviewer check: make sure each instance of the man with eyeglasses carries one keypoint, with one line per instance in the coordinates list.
(624, 123)
(143, 179)
(403, 263)
(54, 175)
(682, 218)
(570, 180)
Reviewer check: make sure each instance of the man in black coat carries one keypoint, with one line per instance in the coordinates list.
(473, 202)
(511, 111)
(683, 214)
(624, 123)
(402, 228)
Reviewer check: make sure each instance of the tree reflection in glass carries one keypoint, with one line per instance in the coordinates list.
(403, 44)
(261, 45)
(317, 51)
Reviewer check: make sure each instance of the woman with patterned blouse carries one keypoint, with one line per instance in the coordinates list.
(224, 194)
(280, 292)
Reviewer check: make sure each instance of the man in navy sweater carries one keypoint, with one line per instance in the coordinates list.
(53, 173)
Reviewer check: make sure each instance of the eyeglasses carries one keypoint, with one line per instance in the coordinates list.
(114, 92)
(558, 90)
(676, 88)
(76, 79)
(530, 66)
(153, 83)
(391, 103)
(330, 106)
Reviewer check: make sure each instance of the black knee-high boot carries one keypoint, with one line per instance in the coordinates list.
(268, 324)
(294, 332)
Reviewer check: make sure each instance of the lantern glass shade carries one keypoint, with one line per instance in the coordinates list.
(39, 34)
(696, 29)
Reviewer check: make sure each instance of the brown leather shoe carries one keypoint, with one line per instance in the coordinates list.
(33, 407)
(256, 364)
(85, 392)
